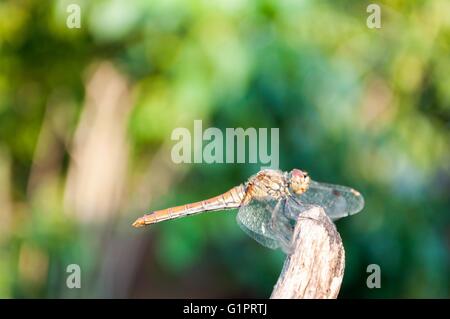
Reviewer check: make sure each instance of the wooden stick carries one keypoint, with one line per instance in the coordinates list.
(316, 266)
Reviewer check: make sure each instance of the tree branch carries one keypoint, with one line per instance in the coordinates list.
(316, 266)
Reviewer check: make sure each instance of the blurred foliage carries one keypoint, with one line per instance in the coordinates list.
(369, 108)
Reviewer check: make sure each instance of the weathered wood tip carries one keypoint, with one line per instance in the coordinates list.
(315, 268)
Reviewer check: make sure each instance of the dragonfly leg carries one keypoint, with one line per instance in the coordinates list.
(295, 209)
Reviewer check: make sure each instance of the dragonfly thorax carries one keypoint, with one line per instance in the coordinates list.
(267, 183)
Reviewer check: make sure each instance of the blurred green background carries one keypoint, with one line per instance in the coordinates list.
(86, 117)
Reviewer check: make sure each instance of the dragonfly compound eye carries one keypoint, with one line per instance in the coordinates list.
(299, 181)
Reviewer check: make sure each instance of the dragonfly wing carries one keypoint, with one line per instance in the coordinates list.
(283, 225)
(337, 201)
(255, 219)
(268, 223)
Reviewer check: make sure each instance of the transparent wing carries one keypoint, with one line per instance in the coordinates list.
(337, 201)
(268, 222)
(283, 225)
(255, 219)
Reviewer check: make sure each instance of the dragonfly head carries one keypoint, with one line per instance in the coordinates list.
(298, 181)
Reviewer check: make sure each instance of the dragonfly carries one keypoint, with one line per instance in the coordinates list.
(269, 204)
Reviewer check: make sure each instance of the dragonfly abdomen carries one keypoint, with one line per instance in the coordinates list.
(231, 199)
